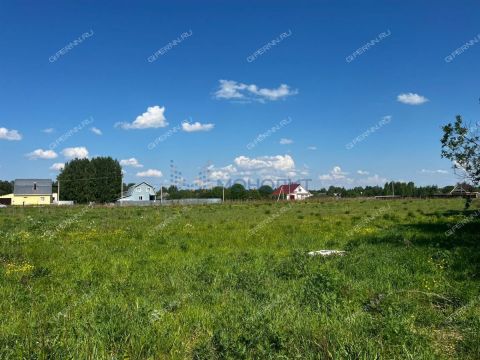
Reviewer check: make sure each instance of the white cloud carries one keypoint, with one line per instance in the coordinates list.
(223, 173)
(57, 166)
(96, 131)
(284, 141)
(232, 90)
(335, 174)
(272, 94)
(131, 162)
(48, 131)
(196, 126)
(411, 99)
(312, 148)
(229, 89)
(11, 135)
(42, 154)
(75, 152)
(339, 178)
(278, 162)
(371, 181)
(150, 173)
(255, 170)
(426, 171)
(153, 118)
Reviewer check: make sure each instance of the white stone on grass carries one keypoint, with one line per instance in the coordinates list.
(326, 252)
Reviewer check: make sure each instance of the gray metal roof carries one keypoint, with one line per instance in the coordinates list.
(32, 187)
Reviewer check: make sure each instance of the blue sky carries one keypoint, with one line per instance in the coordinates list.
(355, 117)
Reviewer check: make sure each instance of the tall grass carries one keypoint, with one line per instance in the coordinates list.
(199, 283)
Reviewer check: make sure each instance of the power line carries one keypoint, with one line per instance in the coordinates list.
(93, 178)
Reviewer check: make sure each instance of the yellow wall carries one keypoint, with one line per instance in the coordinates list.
(31, 200)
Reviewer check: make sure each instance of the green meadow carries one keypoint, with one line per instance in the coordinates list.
(234, 281)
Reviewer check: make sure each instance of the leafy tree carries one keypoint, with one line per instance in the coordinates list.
(373, 191)
(163, 192)
(217, 192)
(238, 192)
(265, 191)
(76, 181)
(461, 145)
(54, 187)
(108, 177)
(253, 194)
(84, 180)
(6, 187)
(447, 189)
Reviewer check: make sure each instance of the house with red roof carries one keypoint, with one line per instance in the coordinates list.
(292, 192)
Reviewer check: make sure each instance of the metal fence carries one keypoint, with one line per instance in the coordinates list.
(171, 202)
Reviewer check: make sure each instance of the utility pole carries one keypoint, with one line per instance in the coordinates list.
(121, 187)
(393, 188)
(161, 194)
(223, 193)
(58, 191)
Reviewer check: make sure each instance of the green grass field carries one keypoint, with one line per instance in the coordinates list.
(234, 281)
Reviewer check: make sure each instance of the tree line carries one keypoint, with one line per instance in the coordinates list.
(239, 192)
(98, 179)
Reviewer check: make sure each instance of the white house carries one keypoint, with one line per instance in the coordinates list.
(292, 192)
(139, 192)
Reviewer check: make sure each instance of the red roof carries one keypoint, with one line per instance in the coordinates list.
(286, 189)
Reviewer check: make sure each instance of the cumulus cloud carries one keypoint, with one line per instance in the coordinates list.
(335, 174)
(371, 181)
(278, 162)
(42, 154)
(284, 141)
(153, 118)
(232, 90)
(150, 173)
(426, 171)
(96, 131)
(339, 177)
(57, 166)
(313, 148)
(80, 152)
(11, 135)
(131, 162)
(48, 130)
(254, 171)
(196, 126)
(411, 99)
(223, 173)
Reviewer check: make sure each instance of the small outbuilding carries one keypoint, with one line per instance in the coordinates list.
(292, 192)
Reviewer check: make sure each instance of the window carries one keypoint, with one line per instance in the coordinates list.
(140, 198)
(34, 186)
